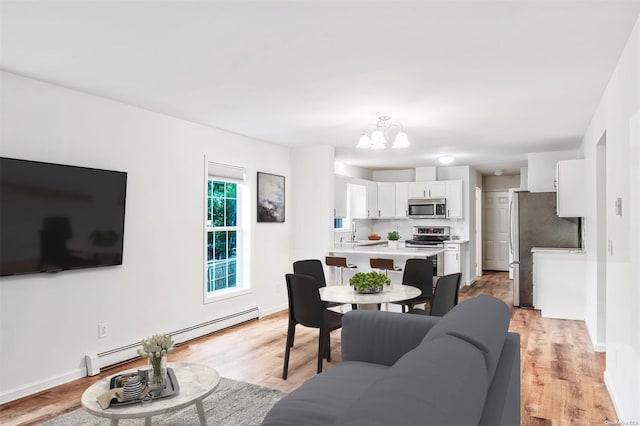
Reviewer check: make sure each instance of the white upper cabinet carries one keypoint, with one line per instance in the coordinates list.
(389, 199)
(417, 189)
(431, 189)
(372, 199)
(436, 189)
(402, 198)
(571, 195)
(340, 203)
(542, 169)
(357, 200)
(386, 199)
(453, 194)
(451, 190)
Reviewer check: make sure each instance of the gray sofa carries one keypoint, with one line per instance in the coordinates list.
(402, 369)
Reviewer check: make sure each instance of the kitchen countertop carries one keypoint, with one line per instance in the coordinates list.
(354, 248)
(456, 241)
(557, 250)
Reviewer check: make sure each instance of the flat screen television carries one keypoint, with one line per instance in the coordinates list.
(55, 217)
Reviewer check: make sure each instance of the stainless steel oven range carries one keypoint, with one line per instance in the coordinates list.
(431, 236)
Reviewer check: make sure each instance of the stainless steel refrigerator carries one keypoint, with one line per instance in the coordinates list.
(534, 223)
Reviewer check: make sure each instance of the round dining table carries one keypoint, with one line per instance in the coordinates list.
(347, 295)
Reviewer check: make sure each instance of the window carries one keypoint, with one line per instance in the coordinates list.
(222, 235)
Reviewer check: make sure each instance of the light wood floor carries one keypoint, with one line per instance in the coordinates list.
(561, 374)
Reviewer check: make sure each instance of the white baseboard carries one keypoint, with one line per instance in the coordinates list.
(597, 346)
(34, 387)
(265, 312)
(612, 394)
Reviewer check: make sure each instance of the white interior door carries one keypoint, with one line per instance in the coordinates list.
(496, 231)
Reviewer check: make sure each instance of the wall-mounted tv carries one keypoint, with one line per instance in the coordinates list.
(55, 217)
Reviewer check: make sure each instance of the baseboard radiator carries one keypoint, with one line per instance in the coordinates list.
(112, 357)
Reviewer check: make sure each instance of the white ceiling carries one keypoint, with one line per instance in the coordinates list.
(486, 81)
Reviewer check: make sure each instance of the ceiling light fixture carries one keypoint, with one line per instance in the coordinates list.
(446, 159)
(382, 134)
(497, 172)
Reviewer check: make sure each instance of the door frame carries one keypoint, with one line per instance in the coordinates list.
(484, 193)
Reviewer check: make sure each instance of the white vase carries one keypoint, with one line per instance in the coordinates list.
(392, 244)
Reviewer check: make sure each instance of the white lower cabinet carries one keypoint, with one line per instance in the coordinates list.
(452, 262)
(456, 259)
(559, 283)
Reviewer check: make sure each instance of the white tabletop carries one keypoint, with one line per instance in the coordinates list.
(346, 294)
(196, 382)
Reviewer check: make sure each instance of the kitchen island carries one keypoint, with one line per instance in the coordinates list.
(359, 253)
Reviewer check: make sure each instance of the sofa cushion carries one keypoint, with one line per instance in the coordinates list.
(482, 321)
(321, 399)
(444, 382)
(382, 337)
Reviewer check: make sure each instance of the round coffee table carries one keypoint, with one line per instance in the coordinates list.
(196, 383)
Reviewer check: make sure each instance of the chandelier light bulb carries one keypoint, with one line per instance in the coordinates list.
(401, 140)
(364, 141)
(377, 140)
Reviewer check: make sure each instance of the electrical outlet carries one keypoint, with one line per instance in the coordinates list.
(103, 330)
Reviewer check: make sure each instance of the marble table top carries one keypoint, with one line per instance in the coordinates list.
(196, 383)
(346, 294)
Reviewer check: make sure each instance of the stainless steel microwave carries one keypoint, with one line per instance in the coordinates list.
(427, 208)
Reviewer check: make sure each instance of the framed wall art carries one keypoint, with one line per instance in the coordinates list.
(270, 198)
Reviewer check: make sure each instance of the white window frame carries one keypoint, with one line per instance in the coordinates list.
(242, 285)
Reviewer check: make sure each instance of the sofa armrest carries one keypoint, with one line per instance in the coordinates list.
(382, 337)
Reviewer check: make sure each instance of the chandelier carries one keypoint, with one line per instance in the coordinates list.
(383, 133)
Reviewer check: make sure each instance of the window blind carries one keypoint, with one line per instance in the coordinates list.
(226, 171)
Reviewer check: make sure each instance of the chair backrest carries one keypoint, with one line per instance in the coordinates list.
(304, 300)
(311, 267)
(419, 273)
(378, 263)
(336, 261)
(445, 296)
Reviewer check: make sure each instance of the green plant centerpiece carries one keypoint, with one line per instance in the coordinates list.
(393, 236)
(369, 282)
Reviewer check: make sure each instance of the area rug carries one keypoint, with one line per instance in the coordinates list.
(232, 403)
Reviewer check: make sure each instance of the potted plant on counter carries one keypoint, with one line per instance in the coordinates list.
(369, 282)
(393, 238)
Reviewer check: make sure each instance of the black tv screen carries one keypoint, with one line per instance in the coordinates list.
(55, 217)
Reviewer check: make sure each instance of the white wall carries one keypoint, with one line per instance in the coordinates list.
(403, 175)
(491, 182)
(49, 322)
(618, 115)
(313, 198)
(352, 171)
(466, 227)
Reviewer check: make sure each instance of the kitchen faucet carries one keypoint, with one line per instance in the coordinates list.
(353, 231)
